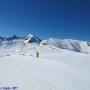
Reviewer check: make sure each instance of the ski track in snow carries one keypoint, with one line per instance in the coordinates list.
(55, 69)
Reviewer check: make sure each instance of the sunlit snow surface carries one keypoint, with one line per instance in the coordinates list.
(55, 69)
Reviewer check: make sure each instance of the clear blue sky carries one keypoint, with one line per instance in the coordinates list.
(46, 18)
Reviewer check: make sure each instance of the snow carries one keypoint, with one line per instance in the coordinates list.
(55, 69)
(69, 44)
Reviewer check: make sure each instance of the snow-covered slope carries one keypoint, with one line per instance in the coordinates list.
(69, 44)
(55, 69)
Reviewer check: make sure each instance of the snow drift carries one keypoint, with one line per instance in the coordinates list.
(69, 44)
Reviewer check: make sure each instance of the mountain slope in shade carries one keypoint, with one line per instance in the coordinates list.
(14, 37)
(32, 39)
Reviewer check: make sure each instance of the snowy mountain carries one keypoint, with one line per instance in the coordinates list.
(69, 44)
(32, 39)
(15, 40)
(14, 37)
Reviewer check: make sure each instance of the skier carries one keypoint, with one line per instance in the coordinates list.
(37, 52)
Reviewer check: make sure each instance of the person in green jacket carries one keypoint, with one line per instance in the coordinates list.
(37, 54)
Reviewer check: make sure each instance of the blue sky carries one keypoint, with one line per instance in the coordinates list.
(46, 18)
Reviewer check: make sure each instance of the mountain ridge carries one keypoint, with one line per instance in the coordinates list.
(68, 44)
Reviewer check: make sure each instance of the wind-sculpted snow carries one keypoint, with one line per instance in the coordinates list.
(69, 44)
(55, 69)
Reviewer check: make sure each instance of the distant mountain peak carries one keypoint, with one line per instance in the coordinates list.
(32, 39)
(14, 37)
(28, 37)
